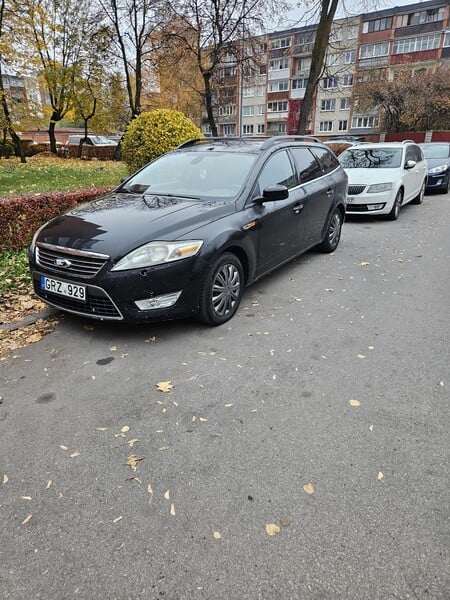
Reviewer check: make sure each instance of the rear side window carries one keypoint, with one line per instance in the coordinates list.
(326, 159)
(308, 167)
(277, 170)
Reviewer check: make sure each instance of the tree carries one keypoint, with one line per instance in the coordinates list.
(7, 123)
(411, 101)
(212, 29)
(327, 13)
(60, 32)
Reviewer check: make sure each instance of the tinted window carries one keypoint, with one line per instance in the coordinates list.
(277, 171)
(327, 161)
(307, 166)
(436, 150)
(371, 158)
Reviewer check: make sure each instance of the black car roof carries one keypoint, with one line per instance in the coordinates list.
(249, 144)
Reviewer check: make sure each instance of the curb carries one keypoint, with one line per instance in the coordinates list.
(29, 320)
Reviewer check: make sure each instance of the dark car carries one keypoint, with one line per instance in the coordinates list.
(437, 155)
(186, 233)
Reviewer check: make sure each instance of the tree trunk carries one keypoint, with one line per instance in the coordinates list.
(15, 138)
(209, 103)
(327, 13)
(51, 134)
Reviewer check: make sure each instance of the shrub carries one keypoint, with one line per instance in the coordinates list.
(6, 149)
(22, 215)
(154, 133)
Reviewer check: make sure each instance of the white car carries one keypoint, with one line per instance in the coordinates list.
(382, 177)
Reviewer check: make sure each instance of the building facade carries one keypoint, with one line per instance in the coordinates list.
(262, 94)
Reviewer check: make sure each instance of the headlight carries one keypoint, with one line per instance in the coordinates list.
(439, 169)
(379, 187)
(35, 236)
(157, 253)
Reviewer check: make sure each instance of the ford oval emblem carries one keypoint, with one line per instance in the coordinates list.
(63, 262)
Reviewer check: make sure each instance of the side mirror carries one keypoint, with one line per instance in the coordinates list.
(275, 192)
(410, 164)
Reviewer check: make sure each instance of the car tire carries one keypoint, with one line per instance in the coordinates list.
(395, 211)
(333, 235)
(419, 198)
(222, 290)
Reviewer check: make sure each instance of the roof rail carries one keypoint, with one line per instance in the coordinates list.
(229, 139)
(408, 142)
(278, 139)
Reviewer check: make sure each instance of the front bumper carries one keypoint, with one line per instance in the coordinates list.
(439, 181)
(370, 204)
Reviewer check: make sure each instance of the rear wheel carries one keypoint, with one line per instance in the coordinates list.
(222, 290)
(333, 235)
(395, 211)
(419, 198)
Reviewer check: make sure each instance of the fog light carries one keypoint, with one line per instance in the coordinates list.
(164, 301)
(375, 206)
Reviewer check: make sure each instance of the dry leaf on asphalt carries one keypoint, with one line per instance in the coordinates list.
(309, 488)
(117, 519)
(286, 521)
(380, 476)
(272, 529)
(74, 454)
(363, 263)
(216, 535)
(49, 484)
(27, 520)
(132, 461)
(167, 495)
(5, 478)
(172, 509)
(164, 386)
(131, 443)
(354, 403)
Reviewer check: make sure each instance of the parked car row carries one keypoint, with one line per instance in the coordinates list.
(185, 234)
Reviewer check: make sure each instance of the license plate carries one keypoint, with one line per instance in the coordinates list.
(350, 199)
(63, 288)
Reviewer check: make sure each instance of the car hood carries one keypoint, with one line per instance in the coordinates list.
(437, 162)
(118, 223)
(371, 176)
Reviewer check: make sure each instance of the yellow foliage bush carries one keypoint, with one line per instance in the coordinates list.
(154, 133)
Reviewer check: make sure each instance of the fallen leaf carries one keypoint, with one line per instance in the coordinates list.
(370, 427)
(329, 289)
(172, 509)
(131, 443)
(132, 461)
(286, 521)
(164, 386)
(164, 448)
(113, 349)
(380, 476)
(354, 403)
(363, 263)
(203, 419)
(124, 429)
(27, 520)
(26, 497)
(117, 519)
(167, 495)
(150, 340)
(216, 535)
(64, 447)
(272, 529)
(100, 428)
(89, 327)
(49, 484)
(228, 405)
(361, 355)
(309, 488)
(5, 479)
(74, 454)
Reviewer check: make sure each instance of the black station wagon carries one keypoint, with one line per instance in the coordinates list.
(184, 235)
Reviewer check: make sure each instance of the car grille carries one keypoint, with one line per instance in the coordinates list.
(99, 306)
(354, 190)
(81, 264)
(357, 208)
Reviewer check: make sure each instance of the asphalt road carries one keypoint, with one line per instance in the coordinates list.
(320, 410)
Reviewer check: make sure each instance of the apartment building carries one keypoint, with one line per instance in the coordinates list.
(262, 95)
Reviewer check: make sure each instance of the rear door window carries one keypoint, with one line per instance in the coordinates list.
(307, 166)
(326, 159)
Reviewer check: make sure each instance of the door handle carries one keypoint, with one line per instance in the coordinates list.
(330, 192)
(298, 208)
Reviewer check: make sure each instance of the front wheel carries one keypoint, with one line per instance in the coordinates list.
(395, 211)
(222, 290)
(333, 235)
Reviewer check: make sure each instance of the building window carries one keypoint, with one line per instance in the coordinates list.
(247, 129)
(447, 39)
(299, 84)
(329, 104)
(280, 43)
(343, 125)
(261, 109)
(424, 42)
(227, 72)
(262, 69)
(418, 18)
(352, 32)
(247, 111)
(260, 128)
(377, 25)
(260, 90)
(263, 48)
(345, 103)
(281, 128)
(365, 122)
(281, 106)
(228, 109)
(248, 92)
(304, 64)
(279, 86)
(329, 83)
(350, 57)
(325, 126)
(278, 64)
(374, 50)
(347, 80)
(229, 129)
(332, 60)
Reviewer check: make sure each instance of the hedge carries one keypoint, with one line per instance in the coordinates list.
(21, 215)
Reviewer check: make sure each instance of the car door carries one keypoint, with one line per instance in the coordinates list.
(313, 167)
(280, 222)
(413, 177)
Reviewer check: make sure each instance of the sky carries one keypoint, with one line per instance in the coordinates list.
(296, 17)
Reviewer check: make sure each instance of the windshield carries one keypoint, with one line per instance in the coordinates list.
(371, 158)
(100, 139)
(436, 151)
(193, 174)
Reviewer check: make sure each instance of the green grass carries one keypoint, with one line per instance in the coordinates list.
(45, 174)
(14, 273)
